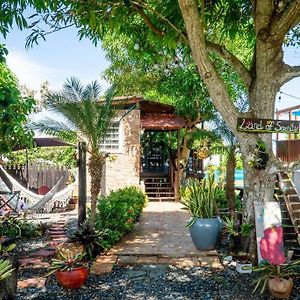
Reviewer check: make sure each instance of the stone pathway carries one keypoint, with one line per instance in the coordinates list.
(160, 237)
(40, 258)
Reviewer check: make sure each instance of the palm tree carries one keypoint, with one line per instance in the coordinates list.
(229, 148)
(84, 117)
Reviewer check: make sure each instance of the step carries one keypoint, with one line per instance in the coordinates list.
(160, 195)
(161, 198)
(158, 184)
(158, 188)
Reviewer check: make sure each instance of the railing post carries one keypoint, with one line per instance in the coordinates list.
(81, 182)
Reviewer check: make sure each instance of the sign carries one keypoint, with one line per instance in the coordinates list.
(269, 232)
(267, 125)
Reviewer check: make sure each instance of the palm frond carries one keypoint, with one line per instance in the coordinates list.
(73, 90)
(50, 126)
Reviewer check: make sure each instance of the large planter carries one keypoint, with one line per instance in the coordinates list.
(72, 279)
(280, 288)
(205, 233)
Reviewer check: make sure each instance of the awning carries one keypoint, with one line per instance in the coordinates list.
(163, 122)
(45, 142)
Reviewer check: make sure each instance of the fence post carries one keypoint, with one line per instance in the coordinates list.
(81, 182)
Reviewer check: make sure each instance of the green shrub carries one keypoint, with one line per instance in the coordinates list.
(117, 213)
(15, 228)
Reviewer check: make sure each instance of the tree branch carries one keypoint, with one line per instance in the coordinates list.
(288, 73)
(285, 20)
(215, 85)
(233, 60)
(147, 20)
(162, 17)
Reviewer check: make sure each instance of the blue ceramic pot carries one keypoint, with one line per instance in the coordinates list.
(205, 233)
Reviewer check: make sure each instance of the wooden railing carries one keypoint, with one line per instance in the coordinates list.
(289, 192)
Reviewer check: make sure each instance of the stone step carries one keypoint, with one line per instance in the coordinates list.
(35, 282)
(43, 253)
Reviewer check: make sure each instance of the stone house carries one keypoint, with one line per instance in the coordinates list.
(128, 164)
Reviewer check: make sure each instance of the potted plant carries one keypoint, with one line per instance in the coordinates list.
(70, 271)
(199, 198)
(277, 278)
(239, 234)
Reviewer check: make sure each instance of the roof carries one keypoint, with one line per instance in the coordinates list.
(154, 115)
(162, 122)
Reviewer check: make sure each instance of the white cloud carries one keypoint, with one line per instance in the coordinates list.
(33, 73)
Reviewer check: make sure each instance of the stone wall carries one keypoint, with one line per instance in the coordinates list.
(124, 169)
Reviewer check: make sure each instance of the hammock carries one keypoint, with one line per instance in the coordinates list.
(34, 201)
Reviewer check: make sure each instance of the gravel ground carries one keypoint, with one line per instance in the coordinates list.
(162, 282)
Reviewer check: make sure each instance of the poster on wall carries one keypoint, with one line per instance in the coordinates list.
(269, 233)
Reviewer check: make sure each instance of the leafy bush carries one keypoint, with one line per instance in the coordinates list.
(15, 228)
(117, 213)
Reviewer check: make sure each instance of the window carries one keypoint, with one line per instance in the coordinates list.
(112, 139)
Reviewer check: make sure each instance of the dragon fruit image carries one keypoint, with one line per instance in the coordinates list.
(271, 245)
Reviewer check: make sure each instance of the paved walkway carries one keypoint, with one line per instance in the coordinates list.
(160, 237)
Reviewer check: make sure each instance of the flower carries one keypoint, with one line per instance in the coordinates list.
(271, 245)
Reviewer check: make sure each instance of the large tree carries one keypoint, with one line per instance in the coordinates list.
(249, 35)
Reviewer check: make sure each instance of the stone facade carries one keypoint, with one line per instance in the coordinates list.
(123, 167)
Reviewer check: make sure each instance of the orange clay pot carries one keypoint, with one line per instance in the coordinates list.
(72, 279)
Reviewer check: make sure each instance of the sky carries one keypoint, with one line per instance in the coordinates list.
(59, 58)
(63, 56)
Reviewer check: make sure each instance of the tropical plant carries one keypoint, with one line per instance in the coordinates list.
(66, 260)
(86, 118)
(267, 271)
(231, 226)
(199, 198)
(90, 238)
(246, 229)
(6, 269)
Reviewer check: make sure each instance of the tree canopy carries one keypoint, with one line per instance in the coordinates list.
(247, 35)
(14, 109)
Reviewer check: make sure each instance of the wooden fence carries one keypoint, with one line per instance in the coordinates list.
(40, 174)
(288, 150)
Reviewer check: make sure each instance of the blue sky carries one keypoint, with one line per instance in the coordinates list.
(63, 56)
(60, 57)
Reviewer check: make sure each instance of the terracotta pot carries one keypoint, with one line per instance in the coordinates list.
(72, 279)
(279, 287)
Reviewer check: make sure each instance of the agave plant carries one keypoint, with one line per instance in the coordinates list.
(66, 260)
(199, 198)
(6, 269)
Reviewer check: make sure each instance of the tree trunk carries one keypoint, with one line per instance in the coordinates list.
(258, 188)
(230, 174)
(96, 163)
(183, 157)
